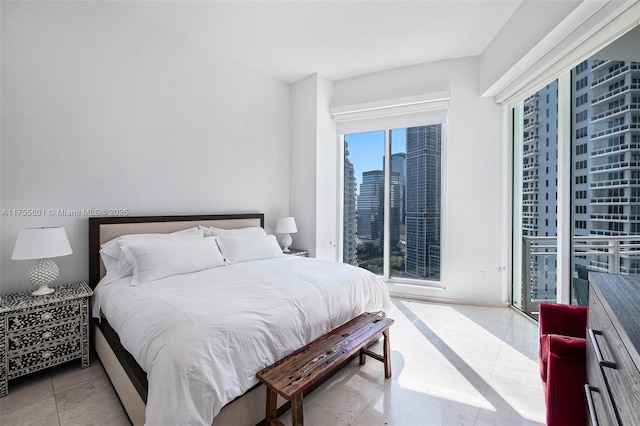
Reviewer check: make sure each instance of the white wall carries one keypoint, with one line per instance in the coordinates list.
(528, 25)
(303, 162)
(472, 226)
(327, 176)
(313, 161)
(105, 111)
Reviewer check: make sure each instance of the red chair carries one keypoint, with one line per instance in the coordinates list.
(563, 362)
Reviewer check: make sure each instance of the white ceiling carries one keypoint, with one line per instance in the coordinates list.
(337, 39)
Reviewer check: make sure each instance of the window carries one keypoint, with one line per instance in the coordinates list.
(598, 177)
(581, 100)
(582, 83)
(582, 67)
(581, 116)
(537, 228)
(393, 178)
(393, 217)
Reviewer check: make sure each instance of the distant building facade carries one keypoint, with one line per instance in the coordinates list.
(423, 207)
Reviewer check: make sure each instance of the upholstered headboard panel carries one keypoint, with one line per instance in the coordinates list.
(103, 229)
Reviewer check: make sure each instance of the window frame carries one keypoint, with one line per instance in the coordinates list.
(399, 284)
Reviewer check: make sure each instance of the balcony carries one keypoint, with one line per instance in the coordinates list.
(597, 64)
(614, 149)
(530, 110)
(614, 254)
(609, 76)
(615, 183)
(612, 131)
(607, 217)
(613, 112)
(610, 94)
(614, 166)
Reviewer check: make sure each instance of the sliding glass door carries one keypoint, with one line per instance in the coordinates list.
(536, 198)
(595, 179)
(606, 169)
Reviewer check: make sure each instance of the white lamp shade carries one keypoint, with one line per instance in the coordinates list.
(286, 225)
(41, 243)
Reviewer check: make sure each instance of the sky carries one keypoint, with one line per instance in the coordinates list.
(366, 150)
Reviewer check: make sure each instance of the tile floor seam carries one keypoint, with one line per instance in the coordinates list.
(55, 399)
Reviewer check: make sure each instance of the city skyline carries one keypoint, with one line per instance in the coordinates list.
(415, 174)
(368, 147)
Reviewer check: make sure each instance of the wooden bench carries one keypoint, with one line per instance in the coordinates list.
(307, 366)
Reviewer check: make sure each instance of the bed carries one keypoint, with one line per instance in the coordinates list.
(253, 310)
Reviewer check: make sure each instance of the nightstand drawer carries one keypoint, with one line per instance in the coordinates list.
(597, 392)
(19, 341)
(43, 357)
(27, 318)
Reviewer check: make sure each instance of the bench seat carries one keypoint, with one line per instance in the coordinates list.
(302, 369)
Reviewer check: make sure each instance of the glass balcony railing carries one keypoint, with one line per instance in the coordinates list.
(614, 254)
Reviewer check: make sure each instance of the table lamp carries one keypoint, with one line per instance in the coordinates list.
(42, 244)
(286, 226)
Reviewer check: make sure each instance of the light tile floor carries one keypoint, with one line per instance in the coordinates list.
(452, 365)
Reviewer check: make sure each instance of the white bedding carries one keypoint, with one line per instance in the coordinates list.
(201, 337)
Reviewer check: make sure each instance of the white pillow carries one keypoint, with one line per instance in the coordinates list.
(238, 232)
(246, 248)
(112, 247)
(153, 260)
(110, 262)
(118, 265)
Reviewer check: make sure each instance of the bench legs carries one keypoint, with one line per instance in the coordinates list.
(385, 358)
(296, 410)
(296, 402)
(387, 354)
(272, 409)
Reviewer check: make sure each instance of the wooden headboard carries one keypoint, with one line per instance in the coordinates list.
(103, 229)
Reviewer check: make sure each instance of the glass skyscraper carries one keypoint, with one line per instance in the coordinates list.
(423, 202)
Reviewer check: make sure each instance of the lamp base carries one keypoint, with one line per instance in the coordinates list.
(286, 242)
(43, 273)
(42, 290)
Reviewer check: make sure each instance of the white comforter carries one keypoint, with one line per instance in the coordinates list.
(201, 337)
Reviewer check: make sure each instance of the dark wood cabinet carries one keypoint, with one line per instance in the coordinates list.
(613, 362)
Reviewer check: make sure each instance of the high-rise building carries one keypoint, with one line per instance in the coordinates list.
(605, 166)
(540, 184)
(370, 207)
(398, 203)
(349, 224)
(606, 151)
(423, 188)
